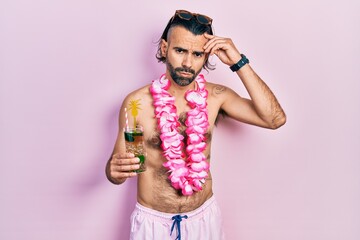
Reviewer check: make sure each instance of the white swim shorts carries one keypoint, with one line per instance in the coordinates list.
(204, 223)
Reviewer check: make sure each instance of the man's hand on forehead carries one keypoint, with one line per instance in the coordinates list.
(223, 48)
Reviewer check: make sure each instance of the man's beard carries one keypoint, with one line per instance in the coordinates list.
(181, 81)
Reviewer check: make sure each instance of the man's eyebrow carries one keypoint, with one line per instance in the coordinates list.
(180, 48)
(199, 52)
(186, 50)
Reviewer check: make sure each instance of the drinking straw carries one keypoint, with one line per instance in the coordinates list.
(126, 119)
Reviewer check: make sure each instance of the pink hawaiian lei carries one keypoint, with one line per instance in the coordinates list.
(187, 171)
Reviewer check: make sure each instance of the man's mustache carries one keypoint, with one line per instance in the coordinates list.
(188, 70)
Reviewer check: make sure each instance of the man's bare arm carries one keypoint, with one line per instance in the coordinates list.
(263, 109)
(263, 100)
(120, 166)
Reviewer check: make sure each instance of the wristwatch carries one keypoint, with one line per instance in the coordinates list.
(240, 63)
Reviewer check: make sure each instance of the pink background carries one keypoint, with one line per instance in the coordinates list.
(65, 67)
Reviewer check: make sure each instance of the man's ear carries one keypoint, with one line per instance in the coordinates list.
(163, 47)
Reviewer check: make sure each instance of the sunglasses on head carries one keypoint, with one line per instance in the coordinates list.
(186, 15)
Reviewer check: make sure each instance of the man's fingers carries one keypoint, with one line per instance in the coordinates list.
(126, 158)
(208, 36)
(125, 168)
(120, 175)
(126, 155)
(125, 161)
(212, 39)
(214, 45)
(217, 48)
(123, 171)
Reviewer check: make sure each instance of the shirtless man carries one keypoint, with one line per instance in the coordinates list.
(162, 204)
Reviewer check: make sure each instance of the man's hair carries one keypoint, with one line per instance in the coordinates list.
(191, 25)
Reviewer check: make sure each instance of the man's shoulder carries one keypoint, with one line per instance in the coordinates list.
(139, 95)
(216, 89)
(211, 85)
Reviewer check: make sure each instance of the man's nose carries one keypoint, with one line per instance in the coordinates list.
(187, 61)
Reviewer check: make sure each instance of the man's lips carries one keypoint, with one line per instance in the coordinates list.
(186, 74)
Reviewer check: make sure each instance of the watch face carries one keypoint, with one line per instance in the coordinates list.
(240, 63)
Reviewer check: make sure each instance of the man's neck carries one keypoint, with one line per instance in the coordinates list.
(177, 90)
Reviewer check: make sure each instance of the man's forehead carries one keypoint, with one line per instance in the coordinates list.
(180, 35)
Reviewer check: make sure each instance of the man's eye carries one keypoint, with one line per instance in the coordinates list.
(198, 54)
(179, 50)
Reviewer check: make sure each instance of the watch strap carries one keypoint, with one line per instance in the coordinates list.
(240, 63)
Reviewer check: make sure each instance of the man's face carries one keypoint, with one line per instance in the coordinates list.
(185, 55)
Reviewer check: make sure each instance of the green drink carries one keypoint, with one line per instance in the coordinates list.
(134, 143)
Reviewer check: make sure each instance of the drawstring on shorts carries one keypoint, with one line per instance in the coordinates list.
(177, 219)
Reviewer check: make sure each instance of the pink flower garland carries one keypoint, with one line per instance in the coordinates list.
(189, 174)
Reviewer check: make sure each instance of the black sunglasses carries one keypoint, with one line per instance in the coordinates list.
(186, 15)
